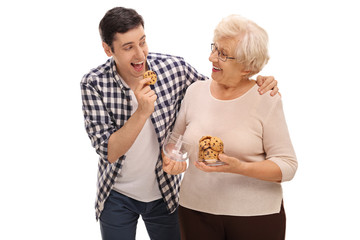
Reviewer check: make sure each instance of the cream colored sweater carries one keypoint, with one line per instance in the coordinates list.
(253, 128)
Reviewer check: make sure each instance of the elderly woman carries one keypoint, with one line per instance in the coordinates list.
(241, 199)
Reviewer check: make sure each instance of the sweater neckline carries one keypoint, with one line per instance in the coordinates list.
(253, 88)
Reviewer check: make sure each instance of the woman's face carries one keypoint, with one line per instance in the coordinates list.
(229, 72)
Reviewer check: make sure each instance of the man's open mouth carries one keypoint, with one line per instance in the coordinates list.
(138, 66)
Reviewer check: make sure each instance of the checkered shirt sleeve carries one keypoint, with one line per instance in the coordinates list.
(107, 106)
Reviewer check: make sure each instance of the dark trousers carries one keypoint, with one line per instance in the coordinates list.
(119, 219)
(196, 225)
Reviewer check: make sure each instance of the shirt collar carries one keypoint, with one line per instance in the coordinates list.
(117, 77)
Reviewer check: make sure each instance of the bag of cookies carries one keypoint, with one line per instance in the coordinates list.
(209, 149)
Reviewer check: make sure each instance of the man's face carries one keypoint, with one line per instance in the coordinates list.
(129, 52)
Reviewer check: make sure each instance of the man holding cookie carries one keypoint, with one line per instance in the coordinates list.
(127, 119)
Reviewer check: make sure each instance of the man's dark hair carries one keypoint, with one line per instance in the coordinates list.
(118, 20)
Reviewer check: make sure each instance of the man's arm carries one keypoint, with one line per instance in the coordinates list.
(121, 140)
(108, 142)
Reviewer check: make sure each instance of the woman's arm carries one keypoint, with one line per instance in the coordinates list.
(265, 170)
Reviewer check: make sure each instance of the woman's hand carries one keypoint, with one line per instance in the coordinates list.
(232, 165)
(173, 167)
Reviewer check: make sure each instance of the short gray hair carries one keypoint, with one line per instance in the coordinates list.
(252, 48)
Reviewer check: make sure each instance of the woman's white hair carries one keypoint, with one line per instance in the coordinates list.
(252, 49)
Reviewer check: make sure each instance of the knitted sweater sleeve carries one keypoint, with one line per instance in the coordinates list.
(277, 142)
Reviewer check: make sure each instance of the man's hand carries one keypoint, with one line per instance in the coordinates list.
(145, 96)
(173, 167)
(267, 83)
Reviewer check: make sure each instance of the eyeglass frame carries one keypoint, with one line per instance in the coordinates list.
(213, 45)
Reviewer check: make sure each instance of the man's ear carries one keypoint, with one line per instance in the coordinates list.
(107, 49)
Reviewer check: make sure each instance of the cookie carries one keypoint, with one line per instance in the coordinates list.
(216, 144)
(204, 137)
(205, 144)
(201, 153)
(152, 75)
(211, 154)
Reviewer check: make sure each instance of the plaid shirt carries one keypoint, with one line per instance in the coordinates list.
(107, 106)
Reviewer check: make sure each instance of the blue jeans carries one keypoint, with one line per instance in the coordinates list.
(119, 219)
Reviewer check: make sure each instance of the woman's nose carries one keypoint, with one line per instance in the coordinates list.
(213, 57)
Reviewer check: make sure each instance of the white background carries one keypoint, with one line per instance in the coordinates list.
(48, 167)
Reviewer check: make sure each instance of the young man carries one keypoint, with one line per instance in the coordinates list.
(127, 121)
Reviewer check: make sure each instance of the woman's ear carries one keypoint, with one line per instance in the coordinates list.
(245, 73)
